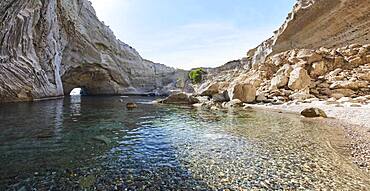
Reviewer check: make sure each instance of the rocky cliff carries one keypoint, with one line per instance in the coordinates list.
(49, 47)
(319, 23)
(321, 52)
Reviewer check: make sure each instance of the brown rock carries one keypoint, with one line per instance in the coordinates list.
(365, 76)
(345, 92)
(309, 56)
(281, 78)
(318, 69)
(210, 90)
(299, 79)
(131, 105)
(313, 112)
(180, 98)
(244, 92)
(353, 85)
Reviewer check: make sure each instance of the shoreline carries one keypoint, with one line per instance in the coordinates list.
(345, 113)
(353, 121)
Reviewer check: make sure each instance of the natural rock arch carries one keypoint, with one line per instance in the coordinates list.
(50, 47)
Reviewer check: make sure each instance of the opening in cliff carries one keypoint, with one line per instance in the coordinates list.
(78, 92)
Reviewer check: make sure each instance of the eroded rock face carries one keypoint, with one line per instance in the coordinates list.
(50, 47)
(319, 23)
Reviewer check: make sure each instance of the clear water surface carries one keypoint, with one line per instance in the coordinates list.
(95, 143)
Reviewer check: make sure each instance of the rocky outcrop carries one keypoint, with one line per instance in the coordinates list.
(50, 47)
(302, 74)
(321, 52)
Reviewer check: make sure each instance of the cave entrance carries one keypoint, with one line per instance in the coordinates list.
(79, 91)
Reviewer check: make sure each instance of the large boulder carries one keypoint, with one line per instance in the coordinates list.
(318, 69)
(180, 98)
(313, 112)
(299, 79)
(309, 56)
(221, 97)
(244, 92)
(281, 78)
(213, 89)
(210, 90)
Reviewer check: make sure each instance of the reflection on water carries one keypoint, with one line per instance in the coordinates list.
(75, 105)
(95, 143)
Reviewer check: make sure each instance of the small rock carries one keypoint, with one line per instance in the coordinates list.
(355, 105)
(131, 105)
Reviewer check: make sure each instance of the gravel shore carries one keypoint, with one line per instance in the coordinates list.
(354, 119)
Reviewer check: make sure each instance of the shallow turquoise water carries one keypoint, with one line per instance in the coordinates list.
(96, 143)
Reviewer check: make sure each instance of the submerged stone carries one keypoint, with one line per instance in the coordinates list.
(131, 105)
(102, 139)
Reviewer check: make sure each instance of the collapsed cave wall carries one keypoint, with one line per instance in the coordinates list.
(49, 47)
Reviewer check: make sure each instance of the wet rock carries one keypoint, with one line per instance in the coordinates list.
(87, 182)
(180, 98)
(131, 105)
(313, 112)
(102, 139)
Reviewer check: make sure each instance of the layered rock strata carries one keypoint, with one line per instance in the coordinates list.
(319, 23)
(49, 47)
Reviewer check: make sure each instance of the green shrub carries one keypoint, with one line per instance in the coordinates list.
(196, 75)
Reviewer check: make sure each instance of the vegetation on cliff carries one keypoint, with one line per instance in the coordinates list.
(196, 75)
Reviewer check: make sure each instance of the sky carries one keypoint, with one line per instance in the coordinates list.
(193, 33)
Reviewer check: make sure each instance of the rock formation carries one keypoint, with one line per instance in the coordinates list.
(49, 47)
(319, 23)
(321, 52)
